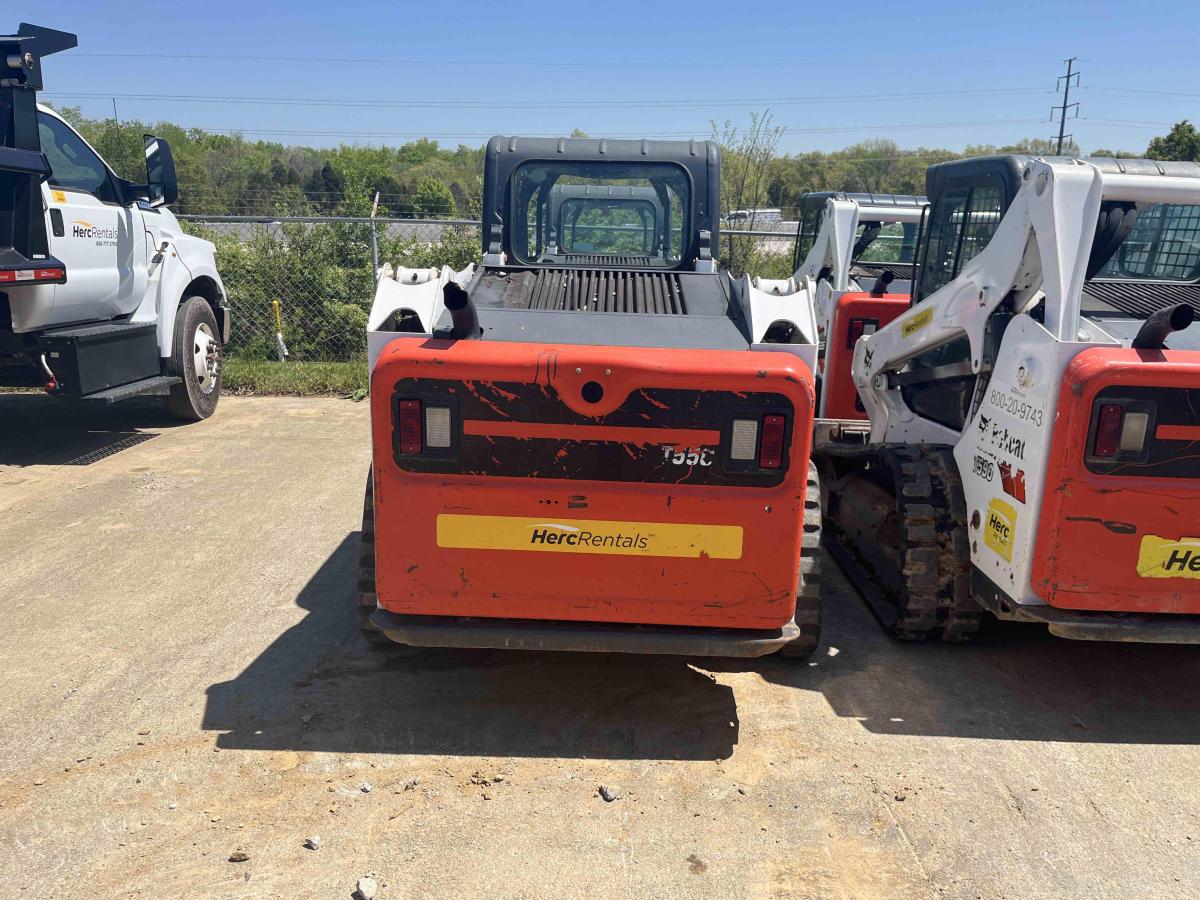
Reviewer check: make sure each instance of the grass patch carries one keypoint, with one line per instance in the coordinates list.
(295, 379)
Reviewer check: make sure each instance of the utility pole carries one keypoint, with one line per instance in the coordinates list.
(1065, 82)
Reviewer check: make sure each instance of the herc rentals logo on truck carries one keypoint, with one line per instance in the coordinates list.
(104, 237)
(589, 536)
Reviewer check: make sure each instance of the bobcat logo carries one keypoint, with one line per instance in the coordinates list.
(984, 421)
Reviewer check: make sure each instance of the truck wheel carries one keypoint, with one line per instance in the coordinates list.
(809, 605)
(196, 358)
(367, 599)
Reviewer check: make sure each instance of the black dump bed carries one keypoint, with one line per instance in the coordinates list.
(24, 244)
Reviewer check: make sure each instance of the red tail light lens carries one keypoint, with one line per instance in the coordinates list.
(1108, 431)
(409, 412)
(859, 328)
(770, 449)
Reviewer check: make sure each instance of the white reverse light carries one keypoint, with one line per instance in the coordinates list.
(437, 426)
(744, 441)
(1133, 431)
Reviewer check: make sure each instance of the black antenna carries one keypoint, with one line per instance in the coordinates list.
(1065, 82)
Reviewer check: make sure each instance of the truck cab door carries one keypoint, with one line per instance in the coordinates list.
(101, 241)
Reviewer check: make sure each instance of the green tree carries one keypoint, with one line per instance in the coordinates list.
(432, 199)
(1181, 142)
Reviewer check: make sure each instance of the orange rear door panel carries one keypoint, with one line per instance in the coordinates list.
(840, 396)
(1117, 539)
(624, 509)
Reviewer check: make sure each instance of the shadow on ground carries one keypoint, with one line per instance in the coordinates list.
(36, 430)
(461, 702)
(318, 687)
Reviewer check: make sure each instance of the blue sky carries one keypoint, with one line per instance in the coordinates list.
(934, 74)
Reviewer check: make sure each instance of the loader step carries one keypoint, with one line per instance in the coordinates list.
(125, 391)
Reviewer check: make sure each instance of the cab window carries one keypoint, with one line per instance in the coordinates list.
(806, 234)
(961, 224)
(1164, 245)
(73, 164)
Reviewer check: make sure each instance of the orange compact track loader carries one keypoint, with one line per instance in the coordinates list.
(854, 256)
(594, 439)
(1033, 443)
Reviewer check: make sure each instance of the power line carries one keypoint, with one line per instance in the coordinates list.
(1140, 92)
(703, 132)
(640, 103)
(1128, 123)
(365, 60)
(1065, 81)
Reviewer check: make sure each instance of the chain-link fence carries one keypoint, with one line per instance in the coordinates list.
(321, 273)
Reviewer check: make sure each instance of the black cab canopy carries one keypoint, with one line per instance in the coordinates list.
(526, 180)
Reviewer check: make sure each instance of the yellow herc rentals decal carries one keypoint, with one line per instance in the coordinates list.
(589, 536)
(1000, 527)
(1163, 558)
(916, 323)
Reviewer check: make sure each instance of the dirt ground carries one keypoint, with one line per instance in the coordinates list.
(180, 680)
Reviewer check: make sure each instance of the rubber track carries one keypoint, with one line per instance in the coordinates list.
(936, 600)
(367, 597)
(809, 604)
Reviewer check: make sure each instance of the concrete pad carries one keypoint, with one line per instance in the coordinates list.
(180, 679)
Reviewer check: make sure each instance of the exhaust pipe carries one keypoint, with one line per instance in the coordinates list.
(1156, 329)
(464, 322)
(886, 277)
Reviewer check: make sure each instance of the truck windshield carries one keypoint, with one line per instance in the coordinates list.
(630, 213)
(1163, 245)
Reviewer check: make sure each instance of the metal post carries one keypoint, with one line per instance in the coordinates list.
(374, 241)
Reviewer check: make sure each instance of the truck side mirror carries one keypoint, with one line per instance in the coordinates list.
(160, 172)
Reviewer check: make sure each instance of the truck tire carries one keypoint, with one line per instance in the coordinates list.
(366, 598)
(196, 357)
(809, 604)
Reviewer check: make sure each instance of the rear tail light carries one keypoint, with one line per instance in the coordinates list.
(410, 426)
(860, 328)
(1120, 431)
(425, 428)
(770, 451)
(1108, 431)
(759, 441)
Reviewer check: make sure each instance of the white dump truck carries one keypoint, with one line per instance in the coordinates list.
(102, 295)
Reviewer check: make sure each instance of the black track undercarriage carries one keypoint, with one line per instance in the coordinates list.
(896, 524)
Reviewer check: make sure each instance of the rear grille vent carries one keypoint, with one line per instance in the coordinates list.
(1141, 298)
(608, 291)
(601, 260)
